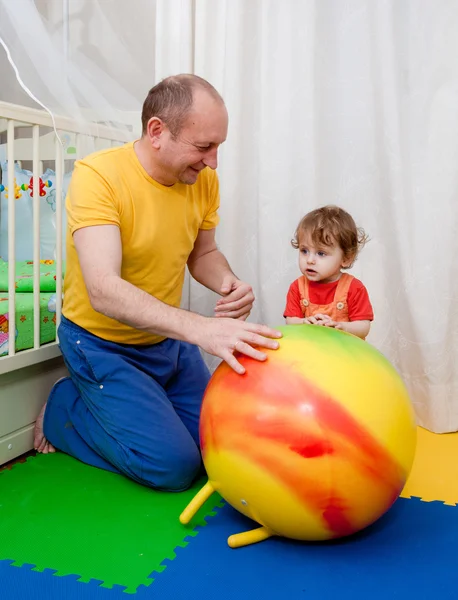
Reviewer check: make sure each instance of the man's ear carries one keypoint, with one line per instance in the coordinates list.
(155, 130)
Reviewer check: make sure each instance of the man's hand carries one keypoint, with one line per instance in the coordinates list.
(223, 337)
(237, 300)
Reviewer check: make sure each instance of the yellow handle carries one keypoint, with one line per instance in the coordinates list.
(249, 537)
(199, 500)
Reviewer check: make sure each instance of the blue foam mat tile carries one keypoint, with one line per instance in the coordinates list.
(23, 583)
(409, 553)
(6, 561)
(95, 581)
(46, 571)
(141, 589)
(24, 565)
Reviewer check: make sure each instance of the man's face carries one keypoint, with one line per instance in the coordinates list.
(196, 145)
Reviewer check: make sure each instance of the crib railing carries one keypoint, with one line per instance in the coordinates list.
(93, 137)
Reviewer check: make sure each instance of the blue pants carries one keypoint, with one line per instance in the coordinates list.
(129, 409)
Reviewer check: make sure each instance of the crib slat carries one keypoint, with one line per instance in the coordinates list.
(78, 146)
(38, 116)
(59, 179)
(36, 235)
(11, 242)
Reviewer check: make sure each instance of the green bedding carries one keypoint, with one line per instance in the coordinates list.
(24, 276)
(24, 321)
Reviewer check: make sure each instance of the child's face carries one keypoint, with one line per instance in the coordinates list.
(322, 263)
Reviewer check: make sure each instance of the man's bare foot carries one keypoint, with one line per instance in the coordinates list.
(40, 443)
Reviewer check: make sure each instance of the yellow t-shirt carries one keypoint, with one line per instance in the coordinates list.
(158, 226)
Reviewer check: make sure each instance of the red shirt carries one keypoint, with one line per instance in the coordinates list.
(359, 305)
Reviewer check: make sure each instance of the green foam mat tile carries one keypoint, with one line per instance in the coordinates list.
(58, 513)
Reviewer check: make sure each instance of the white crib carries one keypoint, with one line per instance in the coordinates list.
(29, 369)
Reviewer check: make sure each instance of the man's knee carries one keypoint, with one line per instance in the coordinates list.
(176, 471)
(181, 472)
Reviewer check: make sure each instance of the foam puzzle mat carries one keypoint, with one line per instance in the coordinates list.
(58, 513)
(69, 531)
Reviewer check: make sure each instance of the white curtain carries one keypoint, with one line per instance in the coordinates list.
(353, 102)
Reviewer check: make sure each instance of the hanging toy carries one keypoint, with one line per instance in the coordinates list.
(17, 190)
(42, 184)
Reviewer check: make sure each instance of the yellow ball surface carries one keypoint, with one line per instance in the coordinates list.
(315, 443)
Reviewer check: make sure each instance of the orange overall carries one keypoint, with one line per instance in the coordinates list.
(337, 310)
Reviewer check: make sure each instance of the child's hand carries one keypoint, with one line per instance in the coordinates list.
(318, 319)
(334, 324)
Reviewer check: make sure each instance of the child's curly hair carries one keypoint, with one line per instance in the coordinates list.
(330, 226)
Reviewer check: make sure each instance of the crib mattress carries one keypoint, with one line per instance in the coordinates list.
(24, 275)
(24, 321)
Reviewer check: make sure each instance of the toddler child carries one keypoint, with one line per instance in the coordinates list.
(328, 241)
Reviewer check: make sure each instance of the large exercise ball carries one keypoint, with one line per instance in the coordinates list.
(313, 444)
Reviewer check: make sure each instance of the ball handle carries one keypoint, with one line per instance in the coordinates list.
(249, 537)
(199, 500)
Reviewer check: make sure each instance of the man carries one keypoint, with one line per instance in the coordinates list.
(137, 215)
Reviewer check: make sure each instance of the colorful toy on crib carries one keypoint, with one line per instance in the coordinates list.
(17, 190)
(27, 186)
(42, 184)
(315, 443)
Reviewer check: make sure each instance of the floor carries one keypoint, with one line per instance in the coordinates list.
(70, 531)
